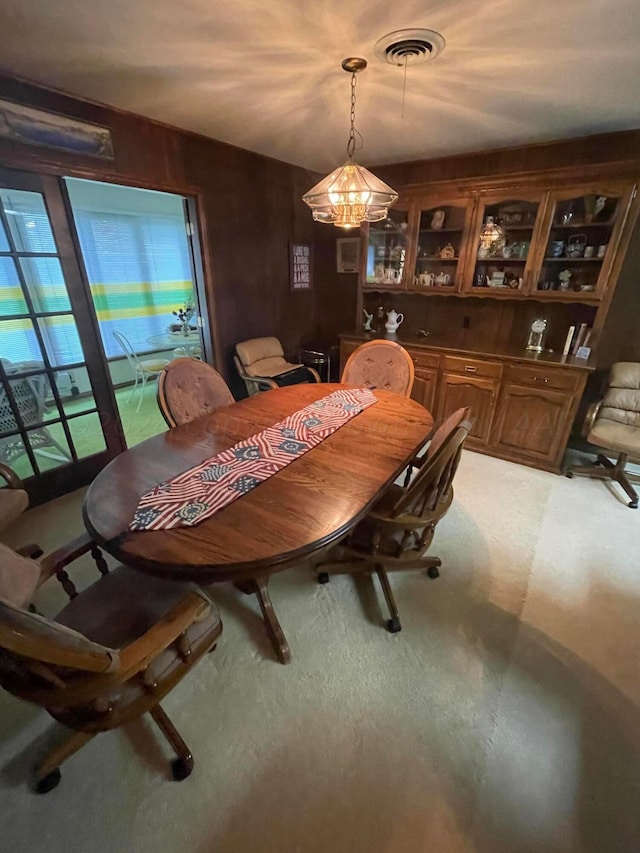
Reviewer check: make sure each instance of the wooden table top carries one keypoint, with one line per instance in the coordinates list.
(306, 506)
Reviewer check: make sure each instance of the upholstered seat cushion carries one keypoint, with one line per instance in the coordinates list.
(616, 436)
(115, 611)
(13, 502)
(18, 577)
(153, 365)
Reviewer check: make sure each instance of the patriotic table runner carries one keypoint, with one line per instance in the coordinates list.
(201, 491)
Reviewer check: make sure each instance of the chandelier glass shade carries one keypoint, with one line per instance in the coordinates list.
(351, 194)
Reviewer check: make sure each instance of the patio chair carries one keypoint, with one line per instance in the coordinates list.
(142, 368)
(29, 393)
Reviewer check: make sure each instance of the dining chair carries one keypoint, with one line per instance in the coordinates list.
(398, 531)
(261, 364)
(108, 657)
(142, 368)
(29, 394)
(380, 364)
(613, 423)
(188, 388)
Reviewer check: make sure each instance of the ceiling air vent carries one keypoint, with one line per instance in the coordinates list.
(409, 47)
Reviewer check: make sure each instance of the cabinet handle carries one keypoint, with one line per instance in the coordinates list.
(470, 369)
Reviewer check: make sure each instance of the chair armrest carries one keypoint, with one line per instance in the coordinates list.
(314, 373)
(139, 654)
(590, 418)
(60, 558)
(10, 476)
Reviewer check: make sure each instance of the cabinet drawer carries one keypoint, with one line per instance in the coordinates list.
(424, 359)
(543, 377)
(471, 366)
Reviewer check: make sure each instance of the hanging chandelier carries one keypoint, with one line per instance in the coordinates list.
(351, 194)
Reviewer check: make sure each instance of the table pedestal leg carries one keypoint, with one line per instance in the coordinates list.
(274, 629)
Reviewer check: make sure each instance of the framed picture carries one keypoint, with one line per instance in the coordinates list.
(348, 254)
(300, 266)
(41, 127)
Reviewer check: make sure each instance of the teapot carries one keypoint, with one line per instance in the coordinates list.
(393, 321)
(443, 278)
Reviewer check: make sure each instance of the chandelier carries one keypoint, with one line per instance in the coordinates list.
(351, 194)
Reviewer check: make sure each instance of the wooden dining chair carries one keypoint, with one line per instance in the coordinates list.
(380, 364)
(398, 531)
(110, 655)
(188, 388)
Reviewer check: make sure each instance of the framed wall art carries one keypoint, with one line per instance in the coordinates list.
(300, 266)
(348, 254)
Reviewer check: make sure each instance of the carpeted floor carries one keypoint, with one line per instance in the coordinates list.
(504, 717)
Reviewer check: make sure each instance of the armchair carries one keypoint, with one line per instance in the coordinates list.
(110, 655)
(398, 531)
(260, 362)
(613, 423)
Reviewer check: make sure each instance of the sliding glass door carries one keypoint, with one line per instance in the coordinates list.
(58, 420)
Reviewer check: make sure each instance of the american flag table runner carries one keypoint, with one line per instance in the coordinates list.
(200, 492)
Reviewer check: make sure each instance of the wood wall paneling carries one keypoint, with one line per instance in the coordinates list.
(250, 207)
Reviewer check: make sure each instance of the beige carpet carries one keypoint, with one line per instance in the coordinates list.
(504, 717)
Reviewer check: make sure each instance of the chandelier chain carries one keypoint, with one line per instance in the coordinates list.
(351, 144)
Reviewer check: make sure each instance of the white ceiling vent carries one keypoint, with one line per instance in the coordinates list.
(409, 47)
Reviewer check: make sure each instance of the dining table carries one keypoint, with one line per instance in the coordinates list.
(291, 519)
(191, 343)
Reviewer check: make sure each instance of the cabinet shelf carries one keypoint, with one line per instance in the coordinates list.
(575, 225)
(497, 260)
(441, 230)
(440, 260)
(573, 260)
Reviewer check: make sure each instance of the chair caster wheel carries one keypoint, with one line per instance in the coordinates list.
(181, 768)
(323, 577)
(433, 572)
(569, 475)
(50, 781)
(633, 504)
(393, 625)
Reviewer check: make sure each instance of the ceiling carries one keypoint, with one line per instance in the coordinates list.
(266, 75)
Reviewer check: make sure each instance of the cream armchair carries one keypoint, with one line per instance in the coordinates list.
(262, 365)
(613, 423)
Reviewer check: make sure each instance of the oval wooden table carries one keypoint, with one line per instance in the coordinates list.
(294, 516)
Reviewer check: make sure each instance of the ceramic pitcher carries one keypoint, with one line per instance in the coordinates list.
(393, 321)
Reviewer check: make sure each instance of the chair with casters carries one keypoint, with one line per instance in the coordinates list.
(380, 364)
(261, 364)
(188, 388)
(29, 393)
(398, 531)
(142, 368)
(613, 424)
(108, 657)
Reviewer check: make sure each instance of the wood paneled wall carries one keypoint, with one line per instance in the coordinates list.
(250, 209)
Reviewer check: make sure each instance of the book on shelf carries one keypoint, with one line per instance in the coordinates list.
(579, 338)
(567, 343)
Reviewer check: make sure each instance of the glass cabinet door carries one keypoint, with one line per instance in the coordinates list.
(581, 234)
(387, 251)
(503, 242)
(442, 236)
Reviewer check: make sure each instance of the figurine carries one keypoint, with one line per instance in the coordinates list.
(564, 277)
(448, 251)
(368, 321)
(437, 220)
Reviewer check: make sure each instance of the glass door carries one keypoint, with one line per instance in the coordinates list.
(506, 229)
(387, 251)
(581, 234)
(58, 421)
(442, 237)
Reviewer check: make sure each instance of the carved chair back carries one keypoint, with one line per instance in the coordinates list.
(188, 388)
(380, 364)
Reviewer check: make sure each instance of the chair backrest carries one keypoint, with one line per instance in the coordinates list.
(125, 346)
(380, 364)
(262, 357)
(622, 399)
(431, 491)
(188, 388)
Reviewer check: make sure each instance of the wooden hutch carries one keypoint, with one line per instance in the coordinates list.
(556, 255)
